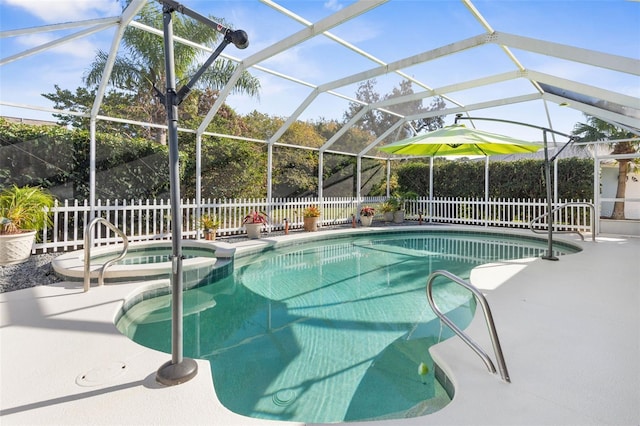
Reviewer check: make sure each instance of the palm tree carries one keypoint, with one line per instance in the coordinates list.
(140, 67)
(596, 129)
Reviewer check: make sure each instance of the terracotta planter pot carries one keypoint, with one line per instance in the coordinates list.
(16, 248)
(366, 220)
(311, 224)
(210, 235)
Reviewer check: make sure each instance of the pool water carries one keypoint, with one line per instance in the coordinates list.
(150, 255)
(332, 331)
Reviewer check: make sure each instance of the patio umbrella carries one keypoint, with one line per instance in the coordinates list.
(457, 139)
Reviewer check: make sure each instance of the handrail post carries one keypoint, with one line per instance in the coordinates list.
(573, 203)
(88, 243)
(502, 366)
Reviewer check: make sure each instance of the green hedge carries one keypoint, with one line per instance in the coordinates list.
(57, 159)
(507, 179)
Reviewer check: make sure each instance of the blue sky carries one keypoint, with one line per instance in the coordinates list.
(390, 32)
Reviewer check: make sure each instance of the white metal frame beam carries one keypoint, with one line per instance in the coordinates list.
(570, 53)
(603, 114)
(127, 16)
(54, 43)
(505, 41)
(585, 89)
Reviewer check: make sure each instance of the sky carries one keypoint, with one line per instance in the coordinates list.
(390, 32)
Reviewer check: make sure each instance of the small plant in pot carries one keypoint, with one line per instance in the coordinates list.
(210, 224)
(254, 222)
(387, 208)
(311, 216)
(366, 215)
(399, 199)
(22, 215)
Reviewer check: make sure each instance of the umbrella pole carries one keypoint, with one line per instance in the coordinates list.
(430, 189)
(547, 169)
(486, 191)
(179, 369)
(547, 178)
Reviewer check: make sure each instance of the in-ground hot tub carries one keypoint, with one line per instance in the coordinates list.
(203, 262)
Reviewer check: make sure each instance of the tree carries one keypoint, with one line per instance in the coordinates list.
(114, 104)
(377, 122)
(596, 129)
(412, 108)
(140, 65)
(367, 95)
(294, 170)
(374, 123)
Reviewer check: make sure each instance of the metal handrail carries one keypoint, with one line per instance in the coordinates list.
(576, 203)
(88, 243)
(502, 366)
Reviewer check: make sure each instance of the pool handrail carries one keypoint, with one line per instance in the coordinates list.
(573, 203)
(502, 366)
(88, 243)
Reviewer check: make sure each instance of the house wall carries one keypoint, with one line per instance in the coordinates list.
(609, 185)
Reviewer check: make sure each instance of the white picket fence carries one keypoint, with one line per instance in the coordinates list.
(143, 220)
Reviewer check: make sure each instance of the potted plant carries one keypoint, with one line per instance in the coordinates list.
(399, 200)
(254, 222)
(210, 224)
(22, 214)
(388, 208)
(311, 216)
(366, 215)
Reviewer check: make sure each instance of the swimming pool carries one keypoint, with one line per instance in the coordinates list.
(330, 331)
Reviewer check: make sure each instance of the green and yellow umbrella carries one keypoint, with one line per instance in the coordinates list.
(458, 140)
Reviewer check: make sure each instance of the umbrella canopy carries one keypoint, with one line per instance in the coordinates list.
(459, 140)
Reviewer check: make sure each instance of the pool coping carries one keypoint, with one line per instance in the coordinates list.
(52, 336)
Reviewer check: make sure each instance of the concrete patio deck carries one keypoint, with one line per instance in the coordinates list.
(570, 332)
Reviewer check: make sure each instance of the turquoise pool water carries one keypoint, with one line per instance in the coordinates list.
(329, 331)
(149, 255)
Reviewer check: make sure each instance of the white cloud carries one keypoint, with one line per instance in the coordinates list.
(54, 11)
(359, 31)
(333, 5)
(79, 48)
(295, 62)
